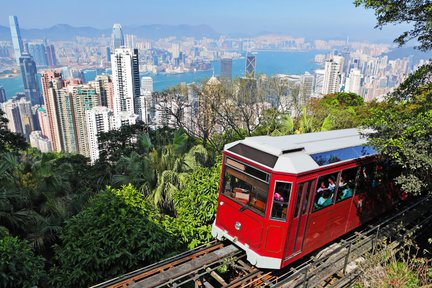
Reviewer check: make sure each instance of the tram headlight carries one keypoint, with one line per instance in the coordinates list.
(237, 226)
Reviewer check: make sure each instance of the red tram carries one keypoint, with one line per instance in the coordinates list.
(283, 197)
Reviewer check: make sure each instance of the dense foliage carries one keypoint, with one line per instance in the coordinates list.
(167, 205)
(403, 128)
(117, 232)
(196, 206)
(19, 266)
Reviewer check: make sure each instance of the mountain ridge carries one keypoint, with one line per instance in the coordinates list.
(152, 31)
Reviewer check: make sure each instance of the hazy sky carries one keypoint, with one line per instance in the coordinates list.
(309, 18)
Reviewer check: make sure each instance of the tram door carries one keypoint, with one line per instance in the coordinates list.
(299, 218)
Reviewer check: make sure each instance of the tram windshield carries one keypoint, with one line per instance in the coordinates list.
(246, 185)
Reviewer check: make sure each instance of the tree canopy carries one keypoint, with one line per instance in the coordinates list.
(117, 232)
(415, 12)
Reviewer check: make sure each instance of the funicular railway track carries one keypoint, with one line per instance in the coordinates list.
(334, 266)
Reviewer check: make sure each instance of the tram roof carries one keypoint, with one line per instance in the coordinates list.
(303, 152)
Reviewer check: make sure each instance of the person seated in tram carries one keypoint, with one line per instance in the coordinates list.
(322, 187)
(278, 205)
(326, 199)
(331, 184)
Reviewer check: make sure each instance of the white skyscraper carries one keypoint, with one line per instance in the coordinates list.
(99, 119)
(306, 87)
(39, 141)
(147, 84)
(332, 74)
(125, 77)
(319, 80)
(352, 83)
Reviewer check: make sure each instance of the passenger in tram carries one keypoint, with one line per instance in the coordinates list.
(345, 188)
(322, 187)
(326, 199)
(331, 184)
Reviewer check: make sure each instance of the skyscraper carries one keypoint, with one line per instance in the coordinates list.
(16, 37)
(125, 74)
(39, 54)
(84, 98)
(306, 86)
(52, 82)
(352, 83)
(318, 83)
(2, 95)
(147, 84)
(226, 69)
(332, 74)
(250, 66)
(117, 36)
(19, 113)
(51, 56)
(28, 74)
(12, 113)
(104, 87)
(99, 119)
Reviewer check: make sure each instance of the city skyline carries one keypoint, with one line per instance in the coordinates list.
(334, 19)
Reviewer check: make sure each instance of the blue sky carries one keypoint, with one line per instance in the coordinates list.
(309, 18)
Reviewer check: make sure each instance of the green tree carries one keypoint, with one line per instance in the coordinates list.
(415, 12)
(195, 204)
(403, 128)
(403, 123)
(117, 232)
(19, 266)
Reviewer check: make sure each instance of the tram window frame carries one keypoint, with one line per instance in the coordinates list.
(349, 184)
(367, 179)
(300, 188)
(253, 196)
(317, 207)
(284, 204)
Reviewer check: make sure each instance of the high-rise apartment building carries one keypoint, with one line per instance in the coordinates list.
(43, 120)
(2, 95)
(26, 116)
(28, 74)
(318, 83)
(104, 87)
(84, 98)
(125, 77)
(117, 37)
(147, 84)
(51, 56)
(19, 113)
(306, 86)
(52, 82)
(250, 66)
(99, 119)
(38, 140)
(16, 37)
(226, 69)
(352, 83)
(332, 74)
(39, 54)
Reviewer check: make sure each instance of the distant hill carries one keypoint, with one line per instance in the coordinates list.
(67, 32)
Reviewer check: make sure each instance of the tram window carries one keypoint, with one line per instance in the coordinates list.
(370, 178)
(326, 191)
(346, 184)
(297, 203)
(280, 200)
(248, 191)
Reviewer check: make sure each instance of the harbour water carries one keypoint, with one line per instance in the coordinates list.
(268, 62)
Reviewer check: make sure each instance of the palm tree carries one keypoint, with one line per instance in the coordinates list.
(137, 170)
